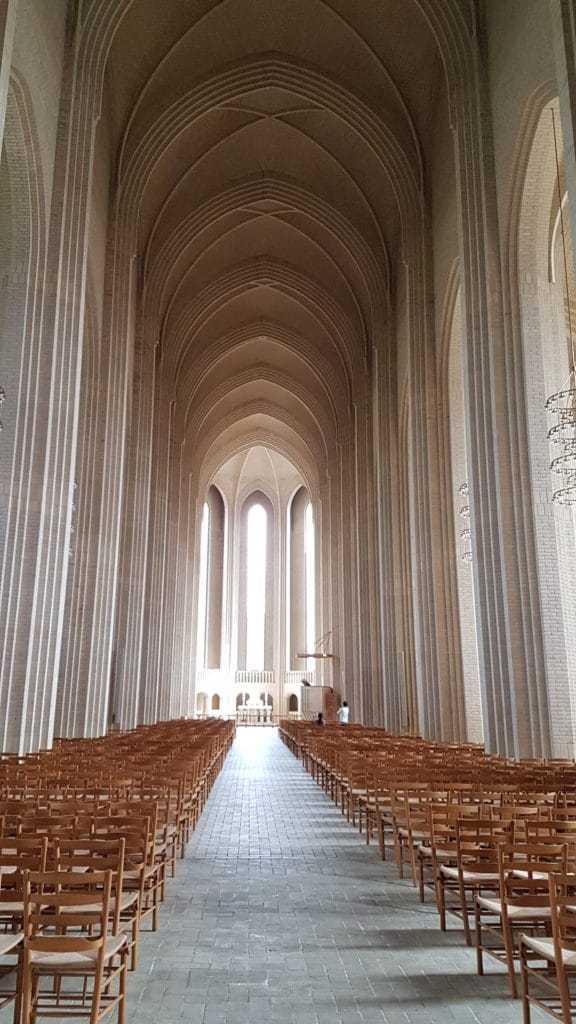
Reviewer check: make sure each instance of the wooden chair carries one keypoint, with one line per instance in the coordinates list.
(377, 798)
(66, 940)
(354, 787)
(165, 839)
(10, 943)
(439, 847)
(89, 855)
(143, 874)
(522, 903)
(410, 827)
(551, 961)
(473, 871)
(18, 854)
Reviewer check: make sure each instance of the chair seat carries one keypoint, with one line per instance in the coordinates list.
(426, 851)
(545, 948)
(113, 944)
(515, 912)
(469, 876)
(539, 875)
(133, 875)
(127, 900)
(14, 909)
(9, 942)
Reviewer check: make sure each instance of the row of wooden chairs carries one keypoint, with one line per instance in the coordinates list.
(85, 856)
(493, 840)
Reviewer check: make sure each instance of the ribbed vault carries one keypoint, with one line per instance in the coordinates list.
(270, 163)
(270, 183)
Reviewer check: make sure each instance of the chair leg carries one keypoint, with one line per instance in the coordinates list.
(464, 912)
(565, 1001)
(524, 985)
(134, 950)
(441, 900)
(421, 892)
(122, 989)
(26, 996)
(17, 1017)
(509, 951)
(478, 929)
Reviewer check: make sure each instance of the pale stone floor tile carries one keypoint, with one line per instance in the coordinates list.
(280, 912)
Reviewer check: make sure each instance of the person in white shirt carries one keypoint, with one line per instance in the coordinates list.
(343, 713)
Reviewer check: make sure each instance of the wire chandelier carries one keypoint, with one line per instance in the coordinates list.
(466, 534)
(562, 404)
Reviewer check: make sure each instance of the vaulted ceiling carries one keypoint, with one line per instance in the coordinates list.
(266, 154)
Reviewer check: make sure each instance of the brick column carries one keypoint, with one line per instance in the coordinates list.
(564, 35)
(8, 11)
(369, 625)
(433, 710)
(130, 641)
(515, 709)
(29, 696)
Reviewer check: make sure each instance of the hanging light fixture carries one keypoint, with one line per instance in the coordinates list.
(466, 534)
(562, 404)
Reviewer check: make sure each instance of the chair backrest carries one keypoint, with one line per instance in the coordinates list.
(561, 829)
(49, 825)
(139, 850)
(57, 901)
(17, 854)
(524, 871)
(563, 912)
(90, 856)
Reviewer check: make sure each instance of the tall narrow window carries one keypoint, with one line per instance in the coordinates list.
(203, 588)
(309, 582)
(256, 587)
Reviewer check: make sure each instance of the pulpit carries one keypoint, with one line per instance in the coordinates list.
(318, 698)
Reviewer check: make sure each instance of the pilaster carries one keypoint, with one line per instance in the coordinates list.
(8, 12)
(564, 35)
(34, 683)
(514, 703)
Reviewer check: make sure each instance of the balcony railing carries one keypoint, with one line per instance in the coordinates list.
(253, 677)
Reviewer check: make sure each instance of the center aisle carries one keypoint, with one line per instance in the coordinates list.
(279, 912)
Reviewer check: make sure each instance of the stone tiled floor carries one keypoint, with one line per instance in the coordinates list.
(279, 912)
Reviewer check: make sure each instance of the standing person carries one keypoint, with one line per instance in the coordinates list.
(320, 719)
(343, 713)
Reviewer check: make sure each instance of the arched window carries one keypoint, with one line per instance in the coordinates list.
(293, 702)
(203, 588)
(216, 702)
(242, 698)
(210, 583)
(303, 631)
(309, 582)
(256, 587)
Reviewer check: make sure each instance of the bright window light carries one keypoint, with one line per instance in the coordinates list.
(256, 587)
(309, 582)
(203, 589)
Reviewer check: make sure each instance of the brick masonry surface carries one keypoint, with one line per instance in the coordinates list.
(279, 912)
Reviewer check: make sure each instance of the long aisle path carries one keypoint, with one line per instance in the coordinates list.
(279, 912)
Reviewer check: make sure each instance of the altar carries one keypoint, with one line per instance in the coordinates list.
(255, 712)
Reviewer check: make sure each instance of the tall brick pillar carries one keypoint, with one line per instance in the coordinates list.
(8, 9)
(514, 696)
(564, 35)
